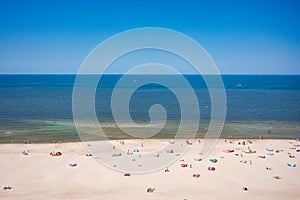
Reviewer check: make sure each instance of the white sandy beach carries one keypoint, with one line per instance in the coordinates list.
(40, 176)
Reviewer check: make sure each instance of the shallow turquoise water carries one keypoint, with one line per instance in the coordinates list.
(38, 108)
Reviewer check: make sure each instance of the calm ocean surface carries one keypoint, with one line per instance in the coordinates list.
(38, 108)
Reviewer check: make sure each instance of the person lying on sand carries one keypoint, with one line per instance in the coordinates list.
(268, 168)
(150, 190)
(277, 177)
(7, 188)
(245, 188)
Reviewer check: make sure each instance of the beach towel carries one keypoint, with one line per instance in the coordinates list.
(228, 150)
(116, 154)
(250, 151)
(198, 159)
(211, 168)
(291, 165)
(72, 164)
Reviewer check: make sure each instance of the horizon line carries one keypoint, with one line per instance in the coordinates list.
(148, 74)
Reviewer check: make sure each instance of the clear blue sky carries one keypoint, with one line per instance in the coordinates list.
(260, 37)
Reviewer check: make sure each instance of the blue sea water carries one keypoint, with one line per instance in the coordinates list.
(39, 107)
